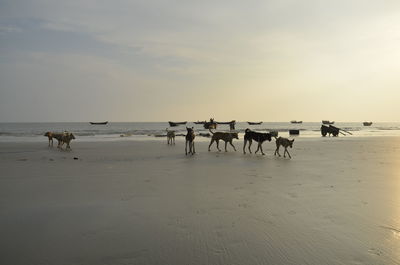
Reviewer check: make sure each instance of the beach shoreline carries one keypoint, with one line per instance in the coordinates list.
(144, 202)
(84, 132)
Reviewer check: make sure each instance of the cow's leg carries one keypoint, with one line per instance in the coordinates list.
(258, 148)
(262, 152)
(289, 154)
(232, 146)
(250, 142)
(212, 141)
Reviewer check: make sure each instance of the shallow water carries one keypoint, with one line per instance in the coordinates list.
(143, 130)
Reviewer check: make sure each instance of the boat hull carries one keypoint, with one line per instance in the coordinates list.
(174, 124)
(226, 122)
(99, 123)
(328, 122)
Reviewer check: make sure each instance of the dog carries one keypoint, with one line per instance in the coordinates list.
(170, 136)
(66, 138)
(227, 137)
(50, 137)
(250, 135)
(285, 143)
(190, 141)
(57, 136)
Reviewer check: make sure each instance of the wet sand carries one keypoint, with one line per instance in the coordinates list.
(337, 201)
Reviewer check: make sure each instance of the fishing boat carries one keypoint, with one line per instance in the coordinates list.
(367, 123)
(199, 122)
(333, 130)
(226, 122)
(296, 121)
(327, 122)
(99, 123)
(254, 123)
(174, 124)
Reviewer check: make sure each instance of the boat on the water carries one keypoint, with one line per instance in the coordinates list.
(367, 123)
(226, 122)
(296, 121)
(99, 123)
(254, 123)
(174, 124)
(199, 122)
(327, 122)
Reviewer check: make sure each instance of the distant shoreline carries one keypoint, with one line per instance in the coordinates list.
(32, 132)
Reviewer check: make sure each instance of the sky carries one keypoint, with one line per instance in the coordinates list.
(126, 60)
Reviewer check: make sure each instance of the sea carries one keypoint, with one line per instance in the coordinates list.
(116, 131)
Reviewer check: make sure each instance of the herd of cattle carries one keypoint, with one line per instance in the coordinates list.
(227, 137)
(62, 138)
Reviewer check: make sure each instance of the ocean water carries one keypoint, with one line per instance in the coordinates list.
(17, 132)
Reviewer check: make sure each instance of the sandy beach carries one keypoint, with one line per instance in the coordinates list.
(337, 201)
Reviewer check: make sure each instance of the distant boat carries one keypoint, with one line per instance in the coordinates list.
(174, 124)
(327, 122)
(296, 121)
(254, 123)
(367, 123)
(226, 122)
(199, 122)
(99, 123)
(294, 132)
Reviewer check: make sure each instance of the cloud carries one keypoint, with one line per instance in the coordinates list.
(9, 29)
(129, 50)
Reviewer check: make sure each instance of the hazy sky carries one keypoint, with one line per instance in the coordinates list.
(279, 60)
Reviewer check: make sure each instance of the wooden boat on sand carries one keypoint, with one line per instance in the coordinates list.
(254, 123)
